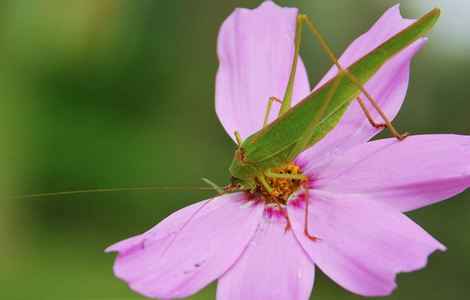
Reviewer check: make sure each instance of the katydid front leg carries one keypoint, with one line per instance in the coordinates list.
(238, 138)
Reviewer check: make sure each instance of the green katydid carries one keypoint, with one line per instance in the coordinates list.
(301, 126)
(266, 156)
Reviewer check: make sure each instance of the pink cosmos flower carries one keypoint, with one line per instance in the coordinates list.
(360, 189)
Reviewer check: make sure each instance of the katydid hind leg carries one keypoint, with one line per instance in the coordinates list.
(287, 99)
(368, 115)
(369, 97)
(377, 108)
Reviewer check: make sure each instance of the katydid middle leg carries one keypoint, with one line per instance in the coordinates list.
(306, 181)
(266, 185)
(369, 97)
(268, 109)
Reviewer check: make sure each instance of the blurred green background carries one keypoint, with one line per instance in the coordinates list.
(103, 93)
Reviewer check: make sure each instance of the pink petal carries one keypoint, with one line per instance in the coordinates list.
(406, 175)
(206, 248)
(363, 244)
(274, 266)
(255, 49)
(388, 86)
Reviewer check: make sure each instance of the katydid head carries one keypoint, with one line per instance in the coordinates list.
(243, 173)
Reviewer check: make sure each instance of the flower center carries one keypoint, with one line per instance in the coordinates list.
(282, 187)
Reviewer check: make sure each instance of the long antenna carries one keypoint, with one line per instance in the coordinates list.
(163, 188)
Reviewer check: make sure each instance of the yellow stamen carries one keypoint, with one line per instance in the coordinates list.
(282, 188)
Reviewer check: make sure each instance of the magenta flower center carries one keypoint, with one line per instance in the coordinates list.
(282, 188)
